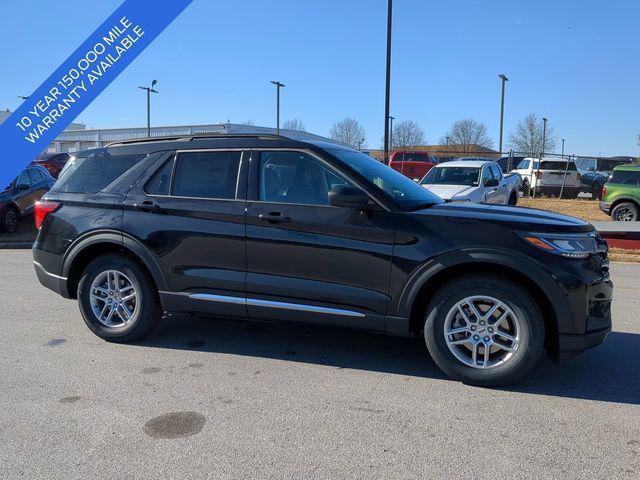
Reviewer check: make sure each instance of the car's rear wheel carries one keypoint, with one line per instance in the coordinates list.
(10, 220)
(484, 330)
(513, 199)
(118, 299)
(624, 212)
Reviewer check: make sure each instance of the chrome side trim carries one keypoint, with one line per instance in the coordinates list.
(255, 302)
(44, 270)
(217, 298)
(303, 308)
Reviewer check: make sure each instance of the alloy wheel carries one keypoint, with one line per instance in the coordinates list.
(113, 298)
(482, 332)
(11, 221)
(624, 214)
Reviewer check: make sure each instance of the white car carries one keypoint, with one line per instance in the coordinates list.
(554, 174)
(479, 181)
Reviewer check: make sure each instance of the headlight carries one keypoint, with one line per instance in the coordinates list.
(567, 245)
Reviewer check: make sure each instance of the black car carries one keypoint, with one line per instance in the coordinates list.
(509, 163)
(271, 228)
(18, 198)
(592, 182)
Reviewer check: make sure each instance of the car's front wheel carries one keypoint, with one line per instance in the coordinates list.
(118, 299)
(484, 330)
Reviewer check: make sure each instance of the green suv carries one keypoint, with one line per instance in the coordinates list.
(621, 194)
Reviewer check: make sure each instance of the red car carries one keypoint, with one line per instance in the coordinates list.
(412, 164)
(54, 163)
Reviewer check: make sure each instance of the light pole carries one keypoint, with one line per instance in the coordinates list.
(544, 141)
(278, 87)
(149, 90)
(562, 154)
(504, 79)
(391, 119)
(388, 82)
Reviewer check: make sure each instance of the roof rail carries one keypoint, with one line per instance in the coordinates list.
(198, 136)
(272, 136)
(147, 140)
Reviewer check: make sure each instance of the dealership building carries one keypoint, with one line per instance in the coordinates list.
(78, 137)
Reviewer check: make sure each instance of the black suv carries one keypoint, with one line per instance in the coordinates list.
(265, 227)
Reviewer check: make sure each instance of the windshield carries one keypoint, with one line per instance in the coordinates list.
(404, 191)
(452, 176)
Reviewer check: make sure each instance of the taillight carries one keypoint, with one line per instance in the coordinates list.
(42, 209)
(538, 174)
(604, 191)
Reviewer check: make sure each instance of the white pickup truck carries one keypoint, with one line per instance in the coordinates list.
(479, 181)
(553, 176)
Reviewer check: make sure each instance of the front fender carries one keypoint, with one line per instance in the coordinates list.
(517, 263)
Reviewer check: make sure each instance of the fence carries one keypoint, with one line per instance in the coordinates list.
(553, 175)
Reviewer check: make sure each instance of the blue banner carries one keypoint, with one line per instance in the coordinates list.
(80, 79)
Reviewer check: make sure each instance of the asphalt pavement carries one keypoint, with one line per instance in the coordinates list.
(205, 398)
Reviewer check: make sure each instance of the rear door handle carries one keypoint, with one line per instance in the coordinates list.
(147, 206)
(274, 217)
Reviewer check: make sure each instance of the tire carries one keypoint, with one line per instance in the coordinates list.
(625, 212)
(526, 190)
(522, 318)
(10, 220)
(513, 199)
(144, 309)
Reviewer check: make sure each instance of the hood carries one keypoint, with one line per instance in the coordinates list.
(517, 218)
(448, 192)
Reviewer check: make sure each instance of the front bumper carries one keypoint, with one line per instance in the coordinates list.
(577, 343)
(606, 207)
(592, 310)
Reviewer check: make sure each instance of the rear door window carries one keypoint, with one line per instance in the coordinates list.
(93, 171)
(625, 177)
(35, 175)
(206, 174)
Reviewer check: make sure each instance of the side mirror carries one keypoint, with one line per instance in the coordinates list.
(348, 197)
(22, 186)
(491, 182)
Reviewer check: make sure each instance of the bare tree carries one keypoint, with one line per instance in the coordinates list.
(527, 137)
(294, 124)
(406, 133)
(248, 123)
(465, 134)
(350, 132)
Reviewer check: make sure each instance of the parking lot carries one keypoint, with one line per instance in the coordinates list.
(281, 401)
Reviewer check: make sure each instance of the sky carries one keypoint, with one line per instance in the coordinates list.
(576, 62)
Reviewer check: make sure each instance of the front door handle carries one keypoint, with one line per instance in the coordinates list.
(274, 217)
(147, 206)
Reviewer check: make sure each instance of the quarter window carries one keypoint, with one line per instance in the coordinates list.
(159, 184)
(206, 174)
(295, 177)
